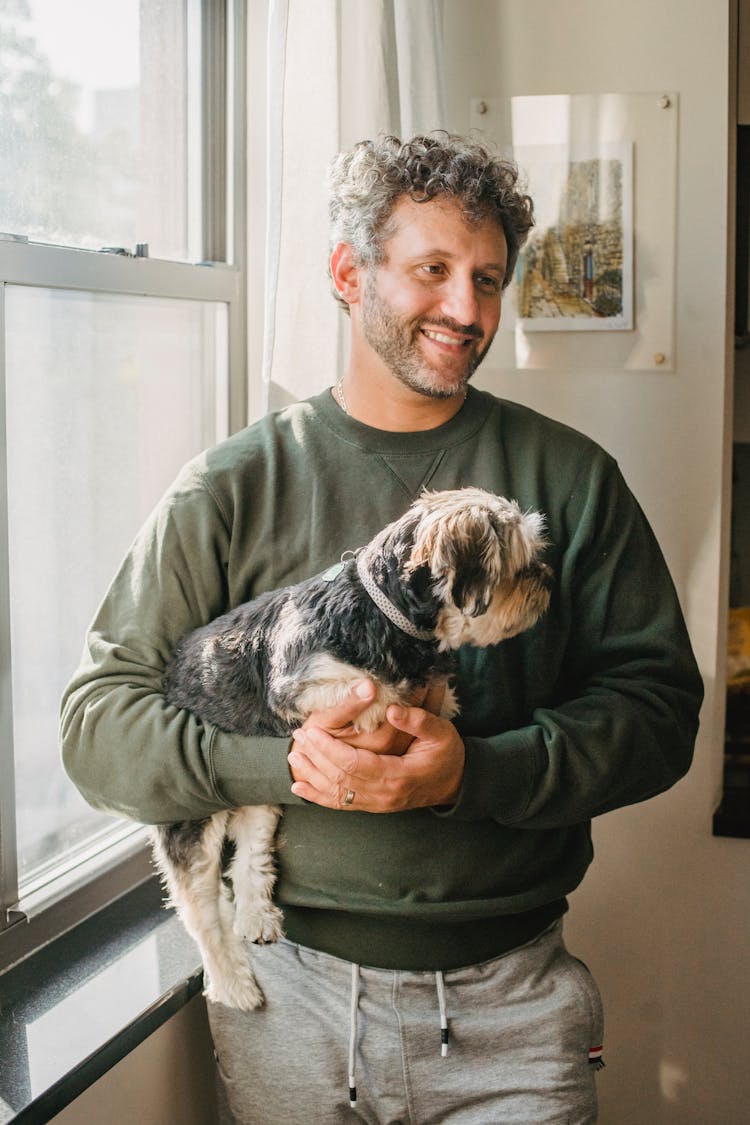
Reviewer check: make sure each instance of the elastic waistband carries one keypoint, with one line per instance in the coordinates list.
(414, 945)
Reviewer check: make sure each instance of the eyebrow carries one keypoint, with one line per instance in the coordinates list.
(437, 252)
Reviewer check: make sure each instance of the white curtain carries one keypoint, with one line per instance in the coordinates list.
(338, 71)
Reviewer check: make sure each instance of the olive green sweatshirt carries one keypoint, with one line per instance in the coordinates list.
(594, 708)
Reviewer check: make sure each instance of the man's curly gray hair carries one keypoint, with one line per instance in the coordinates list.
(367, 182)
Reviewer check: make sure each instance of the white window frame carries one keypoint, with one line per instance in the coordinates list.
(108, 871)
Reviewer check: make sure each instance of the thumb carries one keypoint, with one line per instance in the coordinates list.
(413, 720)
(342, 714)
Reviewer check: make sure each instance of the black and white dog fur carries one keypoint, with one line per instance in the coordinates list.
(460, 567)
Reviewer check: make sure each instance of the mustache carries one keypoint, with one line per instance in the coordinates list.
(472, 330)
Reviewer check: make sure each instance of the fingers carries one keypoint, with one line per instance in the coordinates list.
(341, 717)
(419, 722)
(340, 721)
(385, 739)
(330, 772)
(436, 754)
(326, 770)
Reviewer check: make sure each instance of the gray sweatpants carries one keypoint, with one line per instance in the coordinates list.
(525, 1037)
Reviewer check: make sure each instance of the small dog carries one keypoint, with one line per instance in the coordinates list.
(460, 567)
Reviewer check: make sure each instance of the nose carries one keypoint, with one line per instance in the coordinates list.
(460, 301)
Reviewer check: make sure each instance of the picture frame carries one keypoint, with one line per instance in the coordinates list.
(575, 272)
(546, 134)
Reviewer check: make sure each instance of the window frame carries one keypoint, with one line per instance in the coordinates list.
(106, 872)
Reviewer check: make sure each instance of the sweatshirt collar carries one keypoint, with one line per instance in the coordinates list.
(463, 425)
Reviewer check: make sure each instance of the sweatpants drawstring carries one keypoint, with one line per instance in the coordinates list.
(354, 1012)
(353, 1035)
(443, 1014)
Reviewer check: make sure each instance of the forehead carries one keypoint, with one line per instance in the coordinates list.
(440, 226)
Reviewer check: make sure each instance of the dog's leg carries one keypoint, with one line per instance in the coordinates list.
(449, 706)
(191, 867)
(253, 873)
(370, 719)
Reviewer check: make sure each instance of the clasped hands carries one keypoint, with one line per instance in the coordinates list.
(413, 760)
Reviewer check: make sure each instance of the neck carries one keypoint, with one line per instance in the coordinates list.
(383, 402)
(386, 606)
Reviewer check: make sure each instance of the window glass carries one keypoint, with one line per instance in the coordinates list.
(99, 138)
(107, 396)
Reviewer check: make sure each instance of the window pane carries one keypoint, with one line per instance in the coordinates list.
(107, 396)
(97, 132)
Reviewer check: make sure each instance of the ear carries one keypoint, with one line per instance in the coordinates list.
(461, 552)
(345, 273)
(471, 569)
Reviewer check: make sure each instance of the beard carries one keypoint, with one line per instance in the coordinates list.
(396, 341)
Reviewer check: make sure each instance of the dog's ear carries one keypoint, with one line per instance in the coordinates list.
(472, 542)
(472, 583)
(481, 558)
(464, 551)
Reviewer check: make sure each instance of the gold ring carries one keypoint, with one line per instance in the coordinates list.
(350, 795)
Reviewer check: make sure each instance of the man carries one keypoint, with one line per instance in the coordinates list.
(444, 912)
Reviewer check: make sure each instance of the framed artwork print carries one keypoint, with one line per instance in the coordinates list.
(594, 288)
(575, 273)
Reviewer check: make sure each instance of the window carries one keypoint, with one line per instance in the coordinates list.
(121, 353)
(100, 146)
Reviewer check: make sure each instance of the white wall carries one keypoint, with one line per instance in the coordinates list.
(663, 914)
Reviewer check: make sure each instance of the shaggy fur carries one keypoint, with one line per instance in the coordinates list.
(462, 566)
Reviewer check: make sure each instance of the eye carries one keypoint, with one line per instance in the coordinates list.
(432, 269)
(489, 282)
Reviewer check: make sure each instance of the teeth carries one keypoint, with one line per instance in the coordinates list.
(442, 338)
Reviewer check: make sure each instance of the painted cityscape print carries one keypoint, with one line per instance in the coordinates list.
(576, 271)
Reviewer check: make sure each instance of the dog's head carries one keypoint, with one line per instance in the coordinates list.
(483, 557)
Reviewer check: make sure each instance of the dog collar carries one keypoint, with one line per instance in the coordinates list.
(386, 606)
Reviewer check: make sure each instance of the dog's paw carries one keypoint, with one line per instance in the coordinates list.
(241, 991)
(262, 927)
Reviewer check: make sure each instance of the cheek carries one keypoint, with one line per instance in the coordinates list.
(407, 300)
(491, 318)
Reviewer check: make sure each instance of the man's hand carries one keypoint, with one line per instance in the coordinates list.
(339, 721)
(331, 771)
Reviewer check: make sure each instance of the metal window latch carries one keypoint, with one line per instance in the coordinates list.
(141, 250)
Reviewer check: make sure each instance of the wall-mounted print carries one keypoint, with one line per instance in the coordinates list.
(576, 270)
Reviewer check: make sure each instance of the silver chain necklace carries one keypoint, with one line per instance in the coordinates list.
(339, 395)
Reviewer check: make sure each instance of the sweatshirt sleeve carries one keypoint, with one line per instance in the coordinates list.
(127, 750)
(625, 692)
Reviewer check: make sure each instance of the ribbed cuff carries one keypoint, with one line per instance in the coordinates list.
(251, 771)
(500, 778)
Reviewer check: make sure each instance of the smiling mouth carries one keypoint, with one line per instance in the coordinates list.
(451, 339)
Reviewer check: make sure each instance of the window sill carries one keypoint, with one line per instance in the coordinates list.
(75, 1008)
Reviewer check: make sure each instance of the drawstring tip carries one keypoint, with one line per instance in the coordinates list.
(439, 980)
(352, 1093)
